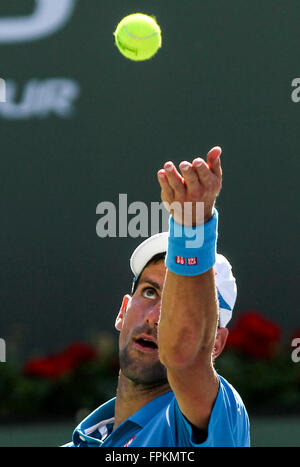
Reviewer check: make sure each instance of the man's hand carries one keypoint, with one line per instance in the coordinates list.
(199, 181)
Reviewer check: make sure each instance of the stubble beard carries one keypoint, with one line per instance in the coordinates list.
(144, 373)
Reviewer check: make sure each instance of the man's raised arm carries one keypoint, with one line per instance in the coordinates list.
(189, 315)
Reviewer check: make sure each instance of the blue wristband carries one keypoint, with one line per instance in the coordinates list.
(192, 250)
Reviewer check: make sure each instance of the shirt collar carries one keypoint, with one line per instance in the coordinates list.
(106, 411)
(141, 417)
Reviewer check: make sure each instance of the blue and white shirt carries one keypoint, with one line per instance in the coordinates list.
(160, 423)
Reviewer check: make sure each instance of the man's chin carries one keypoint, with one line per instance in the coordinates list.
(143, 372)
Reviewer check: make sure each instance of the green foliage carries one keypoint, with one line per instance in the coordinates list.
(265, 385)
(81, 377)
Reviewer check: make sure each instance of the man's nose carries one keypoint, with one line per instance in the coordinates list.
(153, 315)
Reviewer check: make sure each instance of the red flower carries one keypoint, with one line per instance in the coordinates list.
(54, 366)
(254, 335)
(79, 352)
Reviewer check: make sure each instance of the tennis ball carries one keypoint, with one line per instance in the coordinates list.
(138, 37)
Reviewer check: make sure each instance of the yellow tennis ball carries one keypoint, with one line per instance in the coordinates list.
(138, 37)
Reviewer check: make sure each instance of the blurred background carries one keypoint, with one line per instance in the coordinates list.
(81, 124)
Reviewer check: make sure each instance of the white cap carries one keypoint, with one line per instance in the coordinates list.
(225, 281)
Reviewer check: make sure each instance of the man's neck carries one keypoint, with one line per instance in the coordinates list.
(131, 397)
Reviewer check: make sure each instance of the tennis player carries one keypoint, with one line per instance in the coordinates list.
(172, 327)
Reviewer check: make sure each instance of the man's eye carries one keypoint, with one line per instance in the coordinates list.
(149, 292)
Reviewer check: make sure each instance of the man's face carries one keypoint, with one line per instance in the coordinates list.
(138, 326)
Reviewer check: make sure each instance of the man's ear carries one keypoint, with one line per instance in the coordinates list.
(121, 314)
(220, 341)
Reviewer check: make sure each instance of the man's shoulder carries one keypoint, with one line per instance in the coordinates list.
(230, 395)
(232, 404)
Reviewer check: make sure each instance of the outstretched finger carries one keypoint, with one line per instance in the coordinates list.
(190, 177)
(167, 192)
(203, 171)
(217, 168)
(212, 155)
(175, 180)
